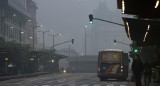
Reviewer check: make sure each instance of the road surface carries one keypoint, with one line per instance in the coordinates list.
(63, 79)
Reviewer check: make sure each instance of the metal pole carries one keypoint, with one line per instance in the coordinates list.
(53, 42)
(69, 50)
(33, 39)
(43, 41)
(108, 21)
(85, 43)
(76, 61)
(20, 33)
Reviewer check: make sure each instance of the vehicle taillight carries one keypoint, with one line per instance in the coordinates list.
(99, 68)
(121, 68)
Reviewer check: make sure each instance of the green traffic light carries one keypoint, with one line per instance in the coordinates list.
(91, 18)
(135, 50)
(91, 22)
(114, 42)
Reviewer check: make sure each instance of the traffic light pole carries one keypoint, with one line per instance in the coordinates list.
(61, 43)
(108, 21)
(91, 19)
(122, 43)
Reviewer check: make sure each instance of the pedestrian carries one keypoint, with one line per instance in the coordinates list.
(137, 67)
(147, 72)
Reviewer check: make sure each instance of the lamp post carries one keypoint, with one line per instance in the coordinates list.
(33, 34)
(53, 38)
(85, 27)
(43, 38)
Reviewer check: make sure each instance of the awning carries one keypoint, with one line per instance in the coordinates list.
(143, 32)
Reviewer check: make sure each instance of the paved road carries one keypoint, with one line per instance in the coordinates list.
(59, 79)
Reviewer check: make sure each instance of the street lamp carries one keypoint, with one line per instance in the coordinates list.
(22, 32)
(53, 38)
(14, 15)
(31, 37)
(85, 27)
(43, 38)
(33, 34)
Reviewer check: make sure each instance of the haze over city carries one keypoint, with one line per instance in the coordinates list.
(68, 18)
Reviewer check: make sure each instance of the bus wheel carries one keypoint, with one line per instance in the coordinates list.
(102, 79)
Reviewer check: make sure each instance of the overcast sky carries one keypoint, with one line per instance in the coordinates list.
(68, 18)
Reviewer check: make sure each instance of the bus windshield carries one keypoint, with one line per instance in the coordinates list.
(111, 57)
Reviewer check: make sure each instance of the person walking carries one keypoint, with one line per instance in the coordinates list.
(137, 67)
(147, 73)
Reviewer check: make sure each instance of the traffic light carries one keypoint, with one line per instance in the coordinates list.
(90, 18)
(114, 42)
(135, 50)
(72, 41)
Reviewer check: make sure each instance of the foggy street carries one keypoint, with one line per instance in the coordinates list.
(79, 43)
(63, 79)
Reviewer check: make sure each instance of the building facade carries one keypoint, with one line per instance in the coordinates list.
(31, 9)
(16, 19)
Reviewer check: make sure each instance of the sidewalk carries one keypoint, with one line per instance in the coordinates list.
(3, 78)
(132, 83)
(151, 84)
